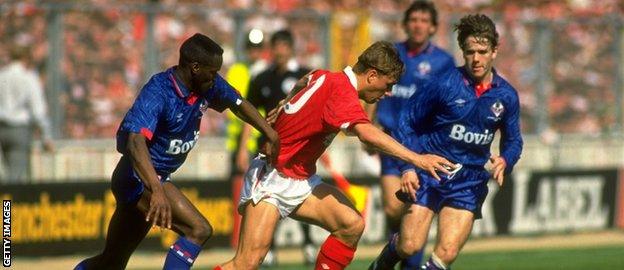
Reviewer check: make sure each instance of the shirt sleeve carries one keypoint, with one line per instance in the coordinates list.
(223, 95)
(511, 139)
(144, 114)
(38, 106)
(412, 118)
(343, 110)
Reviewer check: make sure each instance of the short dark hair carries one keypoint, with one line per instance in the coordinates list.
(381, 56)
(421, 5)
(478, 26)
(199, 48)
(283, 35)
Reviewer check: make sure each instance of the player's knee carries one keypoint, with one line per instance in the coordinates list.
(202, 232)
(408, 248)
(352, 228)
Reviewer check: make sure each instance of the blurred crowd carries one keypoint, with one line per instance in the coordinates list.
(104, 49)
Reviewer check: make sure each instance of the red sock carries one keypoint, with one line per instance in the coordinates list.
(218, 267)
(334, 255)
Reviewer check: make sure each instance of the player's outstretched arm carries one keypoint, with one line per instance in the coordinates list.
(371, 135)
(248, 113)
(159, 212)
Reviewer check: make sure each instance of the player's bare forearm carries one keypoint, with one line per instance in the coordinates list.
(248, 113)
(374, 137)
(370, 135)
(141, 161)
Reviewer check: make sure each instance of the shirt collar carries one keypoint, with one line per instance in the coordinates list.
(471, 82)
(179, 88)
(425, 48)
(351, 75)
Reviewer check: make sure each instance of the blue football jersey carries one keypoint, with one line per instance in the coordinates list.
(169, 115)
(419, 69)
(448, 119)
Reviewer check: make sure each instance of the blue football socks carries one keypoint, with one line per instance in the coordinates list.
(412, 262)
(181, 255)
(388, 257)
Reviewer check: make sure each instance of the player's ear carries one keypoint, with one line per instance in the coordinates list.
(494, 52)
(195, 67)
(432, 30)
(371, 75)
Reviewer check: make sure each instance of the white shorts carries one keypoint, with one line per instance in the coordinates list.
(284, 192)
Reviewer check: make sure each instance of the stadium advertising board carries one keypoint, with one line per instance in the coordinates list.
(65, 218)
(562, 201)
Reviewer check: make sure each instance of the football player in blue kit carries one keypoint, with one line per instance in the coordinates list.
(156, 134)
(423, 61)
(455, 117)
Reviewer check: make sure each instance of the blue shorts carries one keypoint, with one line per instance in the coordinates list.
(126, 185)
(464, 190)
(389, 165)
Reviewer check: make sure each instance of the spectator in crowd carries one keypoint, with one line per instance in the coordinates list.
(22, 110)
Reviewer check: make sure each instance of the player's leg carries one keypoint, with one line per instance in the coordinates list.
(393, 207)
(258, 224)
(329, 208)
(127, 226)
(411, 239)
(192, 226)
(126, 229)
(454, 227)
(309, 249)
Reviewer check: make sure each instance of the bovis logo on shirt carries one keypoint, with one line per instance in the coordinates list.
(458, 133)
(177, 146)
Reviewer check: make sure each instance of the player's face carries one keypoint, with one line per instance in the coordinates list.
(205, 74)
(479, 57)
(380, 86)
(419, 27)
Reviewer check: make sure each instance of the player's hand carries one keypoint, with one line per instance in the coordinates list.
(410, 183)
(159, 213)
(498, 169)
(271, 149)
(272, 115)
(433, 164)
(300, 84)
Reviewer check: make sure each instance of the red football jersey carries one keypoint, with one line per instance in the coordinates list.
(312, 118)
